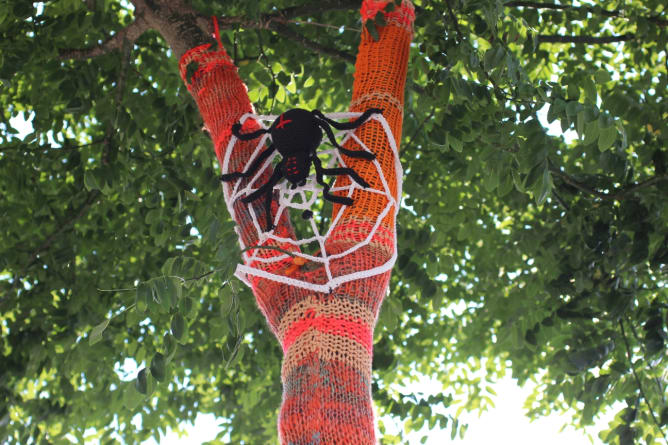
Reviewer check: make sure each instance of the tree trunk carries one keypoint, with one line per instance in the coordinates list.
(326, 338)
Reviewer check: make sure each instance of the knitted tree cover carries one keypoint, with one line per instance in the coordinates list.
(326, 338)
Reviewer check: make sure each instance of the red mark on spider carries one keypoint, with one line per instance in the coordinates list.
(282, 123)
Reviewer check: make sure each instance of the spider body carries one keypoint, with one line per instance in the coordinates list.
(296, 135)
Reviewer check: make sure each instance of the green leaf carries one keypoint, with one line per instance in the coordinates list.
(143, 297)
(178, 326)
(640, 250)
(169, 347)
(591, 94)
(283, 78)
(141, 383)
(373, 31)
(158, 367)
(131, 396)
(606, 138)
(602, 76)
(380, 19)
(573, 91)
(580, 124)
(90, 182)
(187, 307)
(556, 109)
(591, 133)
(455, 143)
(545, 187)
(96, 332)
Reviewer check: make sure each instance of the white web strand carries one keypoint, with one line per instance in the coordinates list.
(298, 199)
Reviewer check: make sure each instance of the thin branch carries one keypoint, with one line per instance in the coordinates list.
(657, 380)
(267, 65)
(560, 200)
(285, 15)
(310, 44)
(130, 33)
(638, 382)
(587, 40)
(323, 25)
(455, 22)
(536, 5)
(615, 195)
(419, 129)
(614, 13)
(118, 99)
(46, 147)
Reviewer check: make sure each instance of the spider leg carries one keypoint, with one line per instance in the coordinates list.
(346, 171)
(361, 154)
(266, 189)
(348, 125)
(251, 168)
(319, 171)
(236, 130)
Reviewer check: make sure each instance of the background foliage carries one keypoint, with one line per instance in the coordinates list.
(520, 251)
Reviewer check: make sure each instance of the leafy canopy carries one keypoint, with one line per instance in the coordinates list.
(520, 251)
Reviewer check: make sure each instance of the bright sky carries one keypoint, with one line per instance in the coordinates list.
(504, 425)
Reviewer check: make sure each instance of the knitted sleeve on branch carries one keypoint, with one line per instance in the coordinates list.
(328, 339)
(222, 98)
(380, 77)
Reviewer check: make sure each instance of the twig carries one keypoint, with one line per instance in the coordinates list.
(130, 33)
(47, 147)
(118, 100)
(588, 40)
(419, 128)
(310, 44)
(324, 25)
(560, 200)
(267, 65)
(614, 13)
(615, 195)
(453, 17)
(657, 380)
(638, 382)
(118, 290)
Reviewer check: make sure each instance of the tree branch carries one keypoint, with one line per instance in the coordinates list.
(455, 22)
(130, 33)
(615, 195)
(629, 355)
(310, 44)
(614, 13)
(585, 39)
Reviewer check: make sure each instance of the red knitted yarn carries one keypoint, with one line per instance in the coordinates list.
(404, 15)
(326, 338)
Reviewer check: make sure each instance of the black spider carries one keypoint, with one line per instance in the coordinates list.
(296, 134)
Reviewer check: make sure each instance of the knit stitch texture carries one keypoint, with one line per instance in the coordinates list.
(327, 338)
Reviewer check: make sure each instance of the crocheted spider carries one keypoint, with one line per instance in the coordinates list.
(296, 135)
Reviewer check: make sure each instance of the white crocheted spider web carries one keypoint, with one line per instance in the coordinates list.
(311, 246)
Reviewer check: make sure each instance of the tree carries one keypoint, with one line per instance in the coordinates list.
(519, 250)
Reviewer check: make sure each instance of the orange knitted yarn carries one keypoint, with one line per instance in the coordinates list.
(327, 338)
(222, 98)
